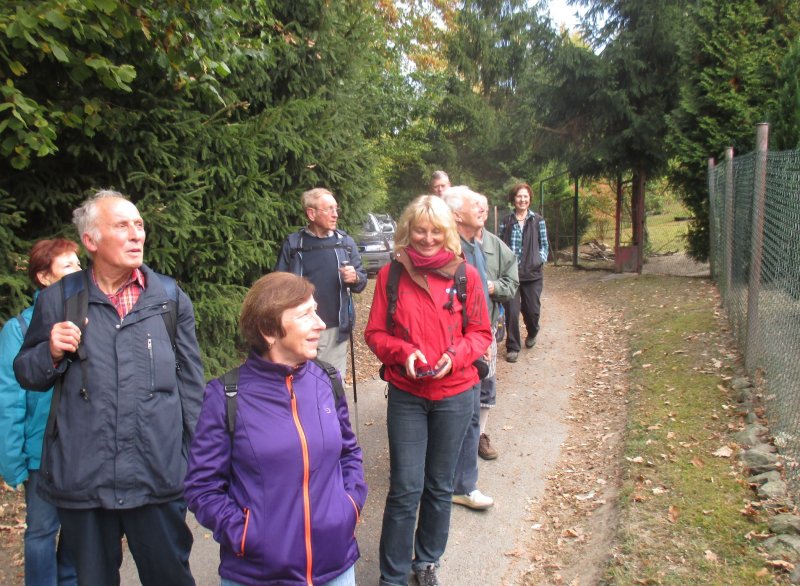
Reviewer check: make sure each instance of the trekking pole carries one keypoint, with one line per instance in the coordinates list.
(352, 313)
(353, 370)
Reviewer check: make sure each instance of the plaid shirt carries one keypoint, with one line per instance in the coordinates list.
(127, 295)
(516, 239)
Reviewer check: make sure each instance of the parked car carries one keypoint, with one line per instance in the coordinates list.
(376, 243)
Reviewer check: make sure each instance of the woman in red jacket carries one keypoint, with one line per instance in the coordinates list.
(428, 355)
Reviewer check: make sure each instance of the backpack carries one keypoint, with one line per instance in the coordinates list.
(230, 383)
(459, 289)
(297, 247)
(75, 296)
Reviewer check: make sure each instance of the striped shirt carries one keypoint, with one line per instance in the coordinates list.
(128, 294)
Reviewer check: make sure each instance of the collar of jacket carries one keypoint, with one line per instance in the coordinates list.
(262, 365)
(448, 271)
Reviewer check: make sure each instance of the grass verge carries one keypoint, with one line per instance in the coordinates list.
(682, 498)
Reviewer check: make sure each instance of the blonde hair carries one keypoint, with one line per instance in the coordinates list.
(435, 211)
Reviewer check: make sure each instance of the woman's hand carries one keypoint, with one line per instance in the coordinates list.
(411, 370)
(444, 366)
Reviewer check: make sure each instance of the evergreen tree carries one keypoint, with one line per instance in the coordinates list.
(213, 140)
(731, 53)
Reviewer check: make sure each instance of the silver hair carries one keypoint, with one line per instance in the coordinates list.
(455, 197)
(310, 198)
(85, 217)
(439, 175)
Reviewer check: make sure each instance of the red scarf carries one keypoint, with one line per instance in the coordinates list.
(429, 263)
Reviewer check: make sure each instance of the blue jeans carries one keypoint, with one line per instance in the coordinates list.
(348, 578)
(466, 477)
(46, 563)
(424, 441)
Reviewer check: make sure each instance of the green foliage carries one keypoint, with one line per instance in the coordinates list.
(228, 114)
(731, 52)
(785, 121)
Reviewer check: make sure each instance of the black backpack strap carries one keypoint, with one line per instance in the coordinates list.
(333, 374)
(395, 268)
(23, 325)
(460, 285)
(171, 317)
(230, 384)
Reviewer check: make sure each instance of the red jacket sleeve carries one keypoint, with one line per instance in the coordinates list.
(389, 349)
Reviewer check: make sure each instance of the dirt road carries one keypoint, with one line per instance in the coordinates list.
(528, 427)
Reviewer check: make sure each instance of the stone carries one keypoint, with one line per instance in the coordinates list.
(785, 523)
(740, 383)
(765, 448)
(751, 417)
(751, 435)
(758, 462)
(765, 477)
(787, 546)
(773, 489)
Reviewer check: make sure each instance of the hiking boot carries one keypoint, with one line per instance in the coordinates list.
(530, 341)
(474, 500)
(485, 449)
(512, 356)
(426, 576)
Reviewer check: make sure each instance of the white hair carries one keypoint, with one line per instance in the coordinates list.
(85, 217)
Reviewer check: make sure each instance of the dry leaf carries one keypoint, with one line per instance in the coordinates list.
(762, 573)
(673, 514)
(781, 564)
(711, 556)
(723, 452)
(697, 462)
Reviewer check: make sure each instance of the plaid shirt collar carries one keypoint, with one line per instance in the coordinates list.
(128, 294)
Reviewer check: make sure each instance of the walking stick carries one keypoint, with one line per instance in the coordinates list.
(353, 355)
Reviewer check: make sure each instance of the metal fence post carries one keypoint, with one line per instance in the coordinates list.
(757, 247)
(727, 234)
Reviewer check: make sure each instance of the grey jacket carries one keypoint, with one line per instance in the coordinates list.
(501, 268)
(124, 442)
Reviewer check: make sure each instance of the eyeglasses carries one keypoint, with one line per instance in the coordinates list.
(329, 211)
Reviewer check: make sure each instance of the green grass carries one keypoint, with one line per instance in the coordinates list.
(681, 521)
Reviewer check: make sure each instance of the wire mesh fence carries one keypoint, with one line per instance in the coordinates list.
(755, 247)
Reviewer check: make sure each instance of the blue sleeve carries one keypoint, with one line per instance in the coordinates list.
(284, 260)
(191, 380)
(13, 405)
(544, 246)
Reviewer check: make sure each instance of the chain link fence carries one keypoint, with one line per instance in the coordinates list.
(755, 248)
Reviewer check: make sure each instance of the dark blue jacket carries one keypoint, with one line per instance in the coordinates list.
(290, 260)
(124, 443)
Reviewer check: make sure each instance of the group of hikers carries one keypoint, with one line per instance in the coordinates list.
(106, 426)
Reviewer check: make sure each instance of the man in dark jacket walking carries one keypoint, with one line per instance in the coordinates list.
(328, 257)
(125, 405)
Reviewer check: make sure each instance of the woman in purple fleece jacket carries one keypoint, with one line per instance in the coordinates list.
(284, 493)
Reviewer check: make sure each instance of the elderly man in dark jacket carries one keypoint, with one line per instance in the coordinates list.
(125, 404)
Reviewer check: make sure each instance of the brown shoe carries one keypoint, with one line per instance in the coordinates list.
(485, 449)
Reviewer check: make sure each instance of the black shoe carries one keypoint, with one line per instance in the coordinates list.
(512, 356)
(530, 341)
(426, 576)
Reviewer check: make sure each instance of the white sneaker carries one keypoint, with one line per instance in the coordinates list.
(474, 500)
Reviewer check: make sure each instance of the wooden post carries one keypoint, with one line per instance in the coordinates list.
(575, 227)
(713, 219)
(754, 342)
(727, 235)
